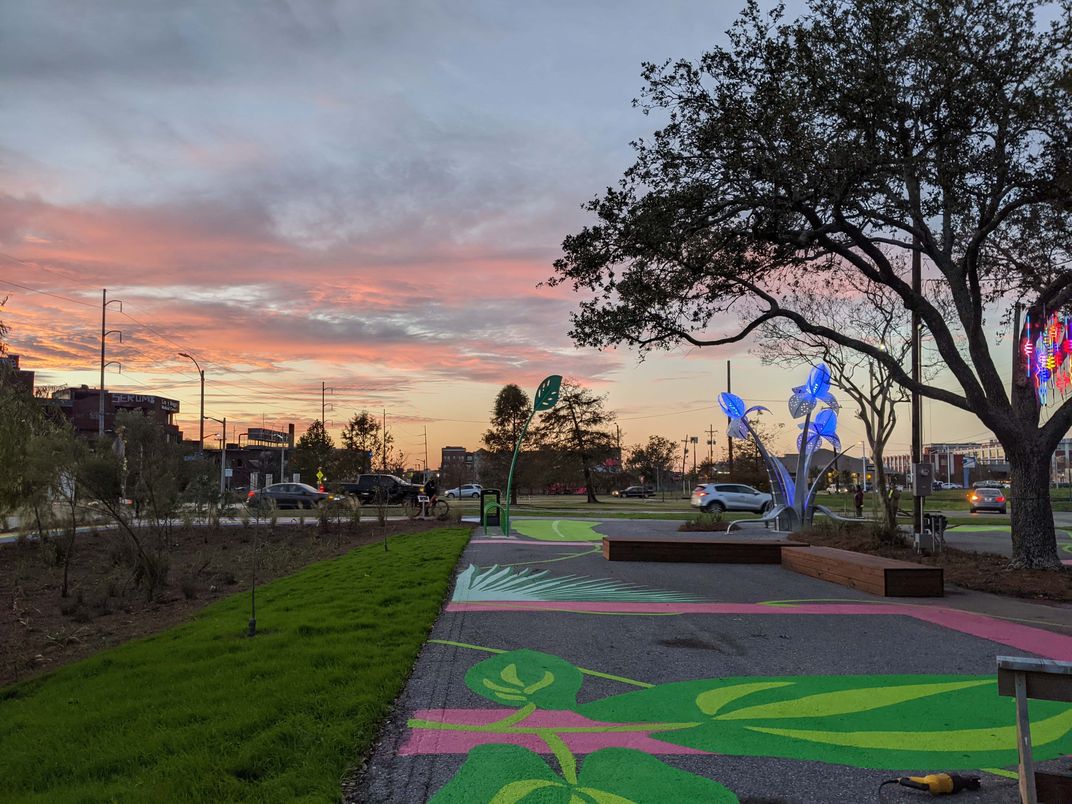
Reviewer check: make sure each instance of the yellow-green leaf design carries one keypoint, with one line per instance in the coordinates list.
(526, 677)
(712, 701)
(600, 797)
(845, 702)
(995, 738)
(516, 791)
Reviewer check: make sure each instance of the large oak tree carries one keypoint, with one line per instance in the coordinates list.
(839, 145)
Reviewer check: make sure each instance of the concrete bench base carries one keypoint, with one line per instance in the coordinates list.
(886, 577)
(696, 549)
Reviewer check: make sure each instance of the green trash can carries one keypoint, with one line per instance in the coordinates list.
(490, 507)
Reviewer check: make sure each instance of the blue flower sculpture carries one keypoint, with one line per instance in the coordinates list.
(817, 389)
(823, 426)
(793, 498)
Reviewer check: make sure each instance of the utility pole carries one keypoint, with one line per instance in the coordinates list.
(385, 440)
(323, 402)
(917, 406)
(223, 453)
(104, 333)
(426, 454)
(711, 445)
(729, 439)
(684, 457)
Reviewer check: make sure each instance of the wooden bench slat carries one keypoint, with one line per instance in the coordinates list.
(707, 550)
(887, 577)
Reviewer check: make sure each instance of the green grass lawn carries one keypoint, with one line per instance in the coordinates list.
(202, 713)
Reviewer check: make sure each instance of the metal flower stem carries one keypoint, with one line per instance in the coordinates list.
(803, 460)
(510, 477)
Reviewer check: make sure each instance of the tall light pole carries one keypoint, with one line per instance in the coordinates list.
(104, 333)
(282, 454)
(201, 372)
(223, 453)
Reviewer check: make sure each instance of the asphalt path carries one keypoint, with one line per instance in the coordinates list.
(554, 670)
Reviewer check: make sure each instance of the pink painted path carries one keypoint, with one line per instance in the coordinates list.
(1022, 637)
(535, 542)
(436, 741)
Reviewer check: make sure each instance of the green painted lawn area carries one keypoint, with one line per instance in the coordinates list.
(202, 713)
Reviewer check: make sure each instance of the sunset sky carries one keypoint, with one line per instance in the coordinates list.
(362, 193)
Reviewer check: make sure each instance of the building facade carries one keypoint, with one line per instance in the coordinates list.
(9, 370)
(81, 407)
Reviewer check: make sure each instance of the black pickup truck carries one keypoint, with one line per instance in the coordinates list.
(368, 488)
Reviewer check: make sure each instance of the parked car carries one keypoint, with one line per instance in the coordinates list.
(287, 495)
(990, 498)
(463, 491)
(635, 491)
(950, 486)
(718, 497)
(369, 488)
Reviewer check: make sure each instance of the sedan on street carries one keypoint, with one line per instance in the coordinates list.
(987, 499)
(466, 490)
(288, 495)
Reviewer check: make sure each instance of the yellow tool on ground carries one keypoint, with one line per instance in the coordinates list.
(938, 784)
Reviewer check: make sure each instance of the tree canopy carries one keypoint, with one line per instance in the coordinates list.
(838, 146)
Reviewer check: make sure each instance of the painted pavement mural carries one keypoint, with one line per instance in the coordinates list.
(539, 737)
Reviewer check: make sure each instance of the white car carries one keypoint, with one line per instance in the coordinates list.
(719, 497)
(466, 490)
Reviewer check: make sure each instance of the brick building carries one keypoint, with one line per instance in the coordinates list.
(81, 407)
(10, 371)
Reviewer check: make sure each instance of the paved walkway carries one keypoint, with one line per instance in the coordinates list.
(554, 672)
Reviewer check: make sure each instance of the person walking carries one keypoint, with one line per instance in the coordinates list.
(858, 501)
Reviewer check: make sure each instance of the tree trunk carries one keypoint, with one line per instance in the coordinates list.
(588, 482)
(1034, 540)
(889, 506)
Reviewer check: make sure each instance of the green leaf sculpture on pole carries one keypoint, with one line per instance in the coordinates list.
(545, 399)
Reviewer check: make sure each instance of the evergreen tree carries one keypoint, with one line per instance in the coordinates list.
(509, 414)
(314, 450)
(578, 429)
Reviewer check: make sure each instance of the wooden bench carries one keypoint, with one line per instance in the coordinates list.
(886, 577)
(692, 549)
(1044, 680)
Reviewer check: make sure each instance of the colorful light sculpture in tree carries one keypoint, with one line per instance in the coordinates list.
(794, 499)
(1047, 350)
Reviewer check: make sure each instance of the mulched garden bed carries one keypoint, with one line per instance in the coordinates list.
(39, 630)
(985, 572)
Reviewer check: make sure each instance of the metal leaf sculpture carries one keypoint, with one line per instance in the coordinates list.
(547, 394)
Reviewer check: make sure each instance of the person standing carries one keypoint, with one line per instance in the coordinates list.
(858, 501)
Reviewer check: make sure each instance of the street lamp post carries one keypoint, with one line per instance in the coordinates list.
(201, 372)
(223, 453)
(282, 455)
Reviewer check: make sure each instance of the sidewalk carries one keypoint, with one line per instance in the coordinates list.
(554, 670)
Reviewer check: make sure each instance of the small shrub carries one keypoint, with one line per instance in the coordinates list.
(189, 587)
(704, 522)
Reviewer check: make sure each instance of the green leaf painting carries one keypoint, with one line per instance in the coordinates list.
(547, 394)
(866, 721)
(526, 677)
(505, 774)
(558, 530)
(506, 583)
(881, 722)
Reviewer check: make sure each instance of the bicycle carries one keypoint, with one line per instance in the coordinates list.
(421, 505)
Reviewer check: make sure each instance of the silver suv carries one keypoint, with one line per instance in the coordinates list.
(719, 497)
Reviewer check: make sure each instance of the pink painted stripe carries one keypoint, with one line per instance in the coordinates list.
(535, 543)
(1023, 637)
(436, 741)
(1067, 561)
